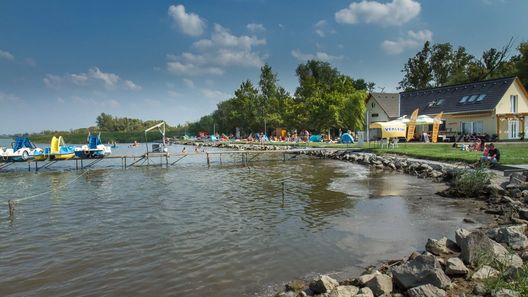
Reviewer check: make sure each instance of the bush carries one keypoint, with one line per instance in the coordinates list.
(472, 182)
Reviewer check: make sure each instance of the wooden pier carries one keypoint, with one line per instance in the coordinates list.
(163, 159)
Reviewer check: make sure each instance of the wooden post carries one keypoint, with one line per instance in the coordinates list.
(11, 204)
(283, 192)
(283, 157)
(208, 161)
(29, 166)
(125, 162)
(76, 164)
(36, 165)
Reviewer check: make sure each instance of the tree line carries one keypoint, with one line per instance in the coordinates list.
(109, 123)
(442, 64)
(324, 99)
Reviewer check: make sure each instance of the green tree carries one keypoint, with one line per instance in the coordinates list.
(521, 63)
(417, 71)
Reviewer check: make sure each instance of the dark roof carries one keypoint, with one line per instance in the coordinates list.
(388, 102)
(482, 95)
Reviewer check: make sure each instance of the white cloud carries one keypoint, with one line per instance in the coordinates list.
(173, 93)
(94, 74)
(322, 28)
(255, 28)
(110, 79)
(6, 55)
(397, 12)
(9, 98)
(189, 23)
(189, 83)
(221, 50)
(242, 58)
(320, 56)
(412, 40)
(79, 79)
(52, 81)
(192, 69)
(130, 85)
(30, 62)
(203, 44)
(222, 37)
(215, 94)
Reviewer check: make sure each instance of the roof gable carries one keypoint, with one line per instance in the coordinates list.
(389, 102)
(470, 97)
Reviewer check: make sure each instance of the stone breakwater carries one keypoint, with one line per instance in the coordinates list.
(445, 268)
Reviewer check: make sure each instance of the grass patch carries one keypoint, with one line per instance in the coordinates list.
(517, 282)
(511, 153)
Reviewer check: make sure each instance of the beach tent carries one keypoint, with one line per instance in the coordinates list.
(347, 138)
(390, 129)
(316, 138)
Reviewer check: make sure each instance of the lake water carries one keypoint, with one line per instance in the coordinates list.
(191, 230)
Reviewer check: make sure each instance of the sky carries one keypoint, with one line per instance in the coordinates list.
(62, 63)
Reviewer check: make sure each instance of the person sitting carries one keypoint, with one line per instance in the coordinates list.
(493, 154)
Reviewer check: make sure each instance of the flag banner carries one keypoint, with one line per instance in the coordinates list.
(412, 125)
(436, 127)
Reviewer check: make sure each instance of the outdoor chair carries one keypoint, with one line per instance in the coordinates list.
(394, 143)
(384, 142)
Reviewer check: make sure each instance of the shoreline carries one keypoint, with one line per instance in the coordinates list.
(446, 268)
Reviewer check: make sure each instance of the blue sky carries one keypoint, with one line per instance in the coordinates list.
(64, 62)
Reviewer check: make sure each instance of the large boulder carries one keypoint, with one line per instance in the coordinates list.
(440, 247)
(455, 267)
(380, 284)
(344, 291)
(365, 292)
(422, 270)
(511, 235)
(426, 291)
(485, 272)
(324, 284)
(477, 247)
(363, 279)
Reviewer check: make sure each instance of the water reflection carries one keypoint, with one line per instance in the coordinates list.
(198, 231)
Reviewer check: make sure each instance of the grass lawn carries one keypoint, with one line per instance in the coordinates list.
(511, 153)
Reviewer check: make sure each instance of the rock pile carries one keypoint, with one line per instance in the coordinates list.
(445, 268)
(418, 168)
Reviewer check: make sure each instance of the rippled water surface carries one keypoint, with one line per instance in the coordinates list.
(195, 231)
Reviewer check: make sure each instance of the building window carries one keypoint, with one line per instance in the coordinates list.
(472, 127)
(375, 115)
(513, 103)
(481, 97)
(464, 99)
(372, 104)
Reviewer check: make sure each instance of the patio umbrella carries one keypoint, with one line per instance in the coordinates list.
(424, 120)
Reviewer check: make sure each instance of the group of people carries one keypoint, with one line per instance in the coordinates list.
(489, 152)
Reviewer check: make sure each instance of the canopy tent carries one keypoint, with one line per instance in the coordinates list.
(347, 138)
(420, 120)
(424, 120)
(390, 129)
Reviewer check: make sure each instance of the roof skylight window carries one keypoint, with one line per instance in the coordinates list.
(472, 98)
(481, 97)
(464, 99)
